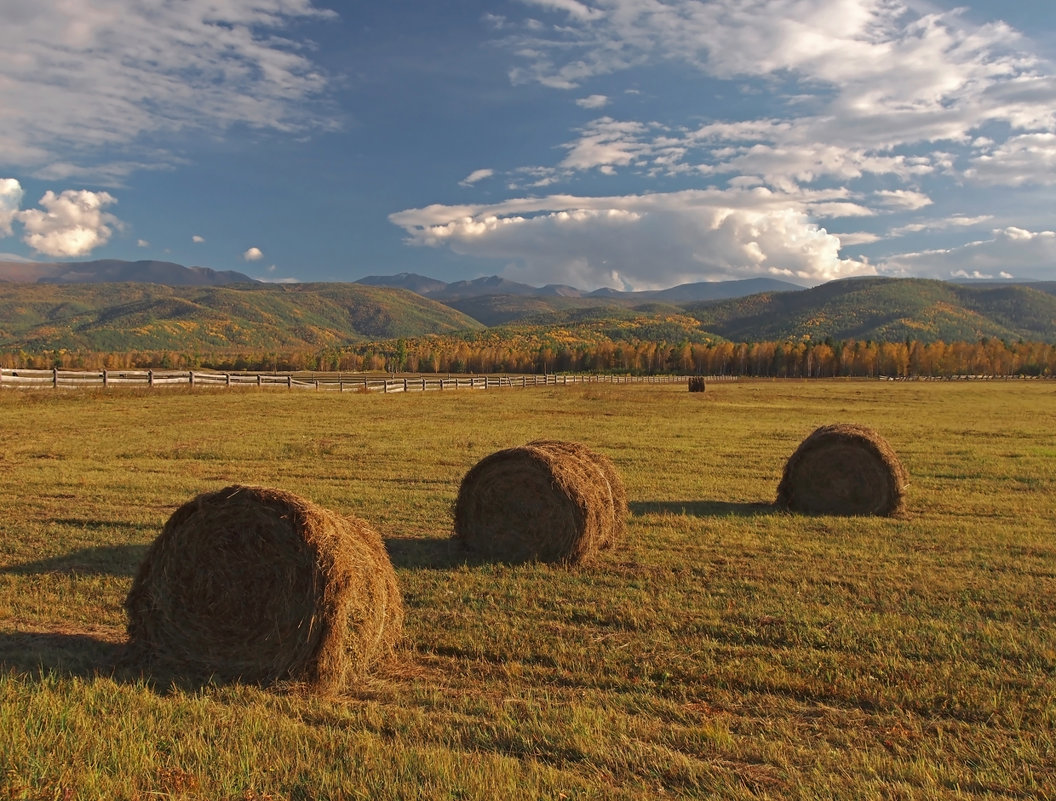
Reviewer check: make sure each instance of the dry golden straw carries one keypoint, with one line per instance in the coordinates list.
(260, 585)
(547, 501)
(844, 469)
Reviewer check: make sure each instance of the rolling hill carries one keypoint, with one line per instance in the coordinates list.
(886, 309)
(251, 317)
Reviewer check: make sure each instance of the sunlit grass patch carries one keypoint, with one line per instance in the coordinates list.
(723, 649)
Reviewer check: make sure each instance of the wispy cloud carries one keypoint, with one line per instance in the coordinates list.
(574, 9)
(861, 94)
(1020, 160)
(1010, 252)
(593, 101)
(121, 73)
(476, 177)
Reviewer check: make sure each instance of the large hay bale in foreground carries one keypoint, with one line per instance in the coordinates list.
(843, 469)
(260, 585)
(618, 505)
(548, 501)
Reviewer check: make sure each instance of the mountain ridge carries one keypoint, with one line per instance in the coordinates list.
(77, 313)
(109, 271)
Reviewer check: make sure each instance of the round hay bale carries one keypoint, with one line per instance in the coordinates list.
(843, 469)
(262, 586)
(541, 502)
(609, 474)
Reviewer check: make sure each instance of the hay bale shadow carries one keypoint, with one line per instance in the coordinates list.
(431, 553)
(701, 508)
(104, 560)
(64, 652)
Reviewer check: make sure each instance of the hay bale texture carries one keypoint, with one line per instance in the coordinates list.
(844, 469)
(260, 585)
(547, 501)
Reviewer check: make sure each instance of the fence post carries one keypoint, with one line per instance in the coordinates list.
(405, 385)
(150, 378)
(190, 373)
(55, 376)
(289, 381)
(227, 379)
(106, 380)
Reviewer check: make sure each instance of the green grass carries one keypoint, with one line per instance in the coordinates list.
(724, 651)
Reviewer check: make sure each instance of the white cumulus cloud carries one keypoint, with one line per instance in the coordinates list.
(198, 240)
(72, 223)
(10, 202)
(253, 254)
(638, 241)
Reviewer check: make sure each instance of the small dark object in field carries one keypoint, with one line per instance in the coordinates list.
(260, 585)
(547, 501)
(696, 383)
(844, 469)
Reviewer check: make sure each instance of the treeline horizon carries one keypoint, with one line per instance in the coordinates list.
(803, 359)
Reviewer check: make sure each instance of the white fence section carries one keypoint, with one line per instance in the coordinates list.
(337, 382)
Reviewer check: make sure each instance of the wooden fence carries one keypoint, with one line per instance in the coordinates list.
(337, 382)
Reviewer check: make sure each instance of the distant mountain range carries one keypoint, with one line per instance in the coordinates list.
(149, 305)
(494, 285)
(112, 271)
(494, 300)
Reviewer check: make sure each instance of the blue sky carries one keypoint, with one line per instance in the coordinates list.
(627, 143)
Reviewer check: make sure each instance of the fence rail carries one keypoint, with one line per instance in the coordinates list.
(338, 382)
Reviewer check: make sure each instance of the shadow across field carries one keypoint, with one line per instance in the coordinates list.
(65, 653)
(701, 508)
(105, 560)
(431, 553)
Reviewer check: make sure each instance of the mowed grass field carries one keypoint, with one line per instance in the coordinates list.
(725, 650)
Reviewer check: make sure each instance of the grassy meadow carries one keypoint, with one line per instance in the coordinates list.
(725, 650)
